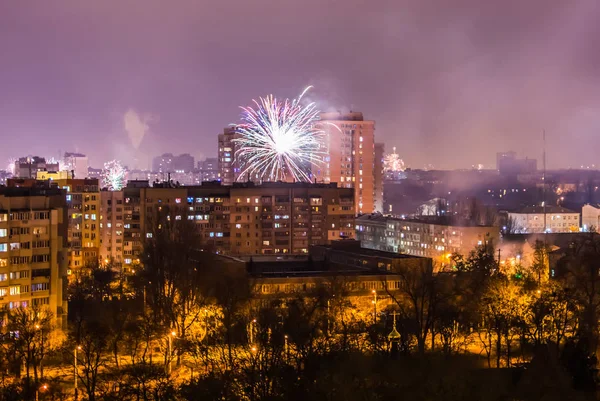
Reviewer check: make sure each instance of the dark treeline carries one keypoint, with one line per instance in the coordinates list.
(189, 326)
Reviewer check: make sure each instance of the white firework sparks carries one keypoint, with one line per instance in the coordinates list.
(393, 163)
(11, 166)
(114, 176)
(279, 140)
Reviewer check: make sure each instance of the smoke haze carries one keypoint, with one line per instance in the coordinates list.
(448, 82)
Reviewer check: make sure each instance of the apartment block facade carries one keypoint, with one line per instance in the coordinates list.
(422, 238)
(227, 166)
(239, 219)
(33, 248)
(350, 157)
(112, 229)
(83, 203)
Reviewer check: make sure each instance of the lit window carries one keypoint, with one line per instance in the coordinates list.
(148, 235)
(177, 200)
(238, 226)
(127, 261)
(3, 232)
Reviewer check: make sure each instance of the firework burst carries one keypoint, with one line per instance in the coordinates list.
(11, 166)
(392, 163)
(279, 140)
(114, 176)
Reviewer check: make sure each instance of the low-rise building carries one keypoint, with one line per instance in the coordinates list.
(539, 219)
(590, 218)
(432, 239)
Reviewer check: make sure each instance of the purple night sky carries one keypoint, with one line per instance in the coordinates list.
(448, 82)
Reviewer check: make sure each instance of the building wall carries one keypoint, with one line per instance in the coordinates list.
(421, 238)
(33, 260)
(350, 161)
(590, 218)
(83, 202)
(555, 222)
(273, 218)
(227, 166)
(76, 162)
(112, 228)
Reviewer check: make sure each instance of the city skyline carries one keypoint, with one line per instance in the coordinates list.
(439, 81)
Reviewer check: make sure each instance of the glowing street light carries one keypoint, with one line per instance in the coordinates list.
(374, 301)
(171, 335)
(75, 370)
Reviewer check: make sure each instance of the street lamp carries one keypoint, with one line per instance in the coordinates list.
(75, 371)
(170, 337)
(43, 388)
(38, 327)
(252, 323)
(374, 301)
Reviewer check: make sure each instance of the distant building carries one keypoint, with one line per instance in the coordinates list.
(208, 169)
(28, 167)
(421, 238)
(33, 249)
(95, 173)
(169, 163)
(227, 165)
(508, 164)
(590, 218)
(76, 162)
(350, 160)
(531, 220)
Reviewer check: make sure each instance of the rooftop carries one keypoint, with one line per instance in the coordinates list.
(541, 209)
(30, 191)
(433, 220)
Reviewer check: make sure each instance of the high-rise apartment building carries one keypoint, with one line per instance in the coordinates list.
(350, 156)
(77, 163)
(83, 203)
(169, 163)
(111, 229)
(33, 240)
(240, 219)
(228, 168)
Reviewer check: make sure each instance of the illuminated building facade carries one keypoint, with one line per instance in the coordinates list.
(33, 248)
(590, 218)
(83, 203)
(112, 229)
(240, 219)
(422, 238)
(350, 160)
(530, 220)
(227, 166)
